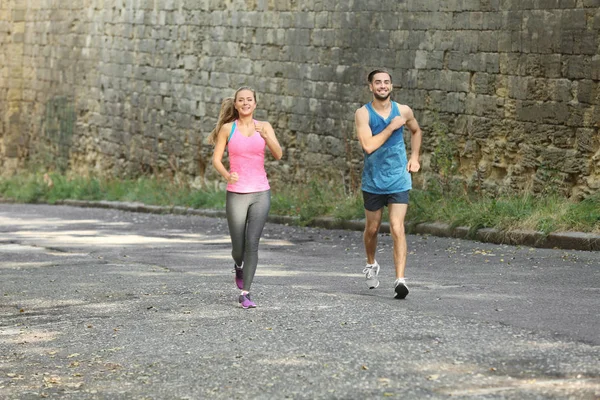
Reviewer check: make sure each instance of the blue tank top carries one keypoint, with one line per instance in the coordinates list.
(384, 170)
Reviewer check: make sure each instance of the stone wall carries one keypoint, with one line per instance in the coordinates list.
(130, 87)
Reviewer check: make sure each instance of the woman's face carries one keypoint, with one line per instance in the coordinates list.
(245, 102)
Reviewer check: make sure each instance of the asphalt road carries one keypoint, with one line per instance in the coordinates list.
(106, 304)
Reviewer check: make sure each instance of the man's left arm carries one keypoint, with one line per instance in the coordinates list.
(415, 141)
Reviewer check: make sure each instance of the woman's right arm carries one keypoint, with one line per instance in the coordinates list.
(217, 159)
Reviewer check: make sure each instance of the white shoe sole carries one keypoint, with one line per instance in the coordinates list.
(372, 285)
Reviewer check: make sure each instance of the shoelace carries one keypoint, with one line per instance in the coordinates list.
(369, 271)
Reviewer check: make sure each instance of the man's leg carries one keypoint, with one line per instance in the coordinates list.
(397, 215)
(372, 223)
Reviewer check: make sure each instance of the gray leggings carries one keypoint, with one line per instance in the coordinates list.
(246, 216)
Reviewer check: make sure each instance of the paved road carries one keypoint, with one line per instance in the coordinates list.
(98, 303)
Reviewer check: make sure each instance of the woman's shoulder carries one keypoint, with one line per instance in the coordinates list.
(261, 122)
(226, 127)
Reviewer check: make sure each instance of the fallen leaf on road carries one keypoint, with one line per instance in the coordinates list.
(51, 380)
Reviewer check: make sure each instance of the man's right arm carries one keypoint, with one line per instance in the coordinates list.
(368, 141)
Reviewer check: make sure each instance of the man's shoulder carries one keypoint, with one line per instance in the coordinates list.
(362, 110)
(403, 108)
(402, 105)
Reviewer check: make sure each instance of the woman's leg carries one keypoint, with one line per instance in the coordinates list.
(257, 217)
(236, 207)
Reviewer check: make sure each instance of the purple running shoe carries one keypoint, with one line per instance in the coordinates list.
(246, 301)
(239, 276)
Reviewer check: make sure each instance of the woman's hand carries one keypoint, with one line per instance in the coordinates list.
(260, 128)
(233, 178)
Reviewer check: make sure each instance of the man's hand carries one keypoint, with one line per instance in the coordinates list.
(397, 122)
(413, 165)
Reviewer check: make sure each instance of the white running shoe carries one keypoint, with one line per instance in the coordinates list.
(371, 271)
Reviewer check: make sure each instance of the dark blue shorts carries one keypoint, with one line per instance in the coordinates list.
(374, 202)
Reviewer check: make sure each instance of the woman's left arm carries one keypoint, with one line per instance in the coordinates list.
(268, 134)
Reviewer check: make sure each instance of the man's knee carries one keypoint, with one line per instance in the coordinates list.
(397, 230)
(371, 230)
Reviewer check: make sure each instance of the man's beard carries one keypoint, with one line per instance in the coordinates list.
(382, 98)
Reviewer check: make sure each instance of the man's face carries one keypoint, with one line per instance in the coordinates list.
(381, 86)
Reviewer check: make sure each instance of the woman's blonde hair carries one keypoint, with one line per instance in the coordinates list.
(228, 113)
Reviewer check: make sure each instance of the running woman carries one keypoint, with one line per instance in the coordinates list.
(248, 196)
(386, 178)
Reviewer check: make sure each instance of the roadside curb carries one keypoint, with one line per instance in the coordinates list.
(559, 240)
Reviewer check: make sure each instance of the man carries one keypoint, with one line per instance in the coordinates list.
(386, 176)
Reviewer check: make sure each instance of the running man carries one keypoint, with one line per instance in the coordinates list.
(386, 176)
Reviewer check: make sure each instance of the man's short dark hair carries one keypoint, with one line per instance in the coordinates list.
(378, 71)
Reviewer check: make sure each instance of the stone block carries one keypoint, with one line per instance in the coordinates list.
(588, 140)
(573, 19)
(509, 63)
(488, 41)
(577, 115)
(492, 21)
(563, 90)
(540, 89)
(304, 20)
(588, 91)
(298, 37)
(550, 65)
(517, 87)
(18, 15)
(483, 83)
(549, 112)
(585, 42)
(573, 240)
(566, 161)
(595, 67)
(577, 67)
(512, 20)
(466, 41)
(323, 20)
(568, 4)
(484, 106)
(450, 102)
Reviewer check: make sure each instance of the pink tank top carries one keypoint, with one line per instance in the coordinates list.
(247, 158)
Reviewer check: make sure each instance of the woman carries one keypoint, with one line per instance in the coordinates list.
(248, 190)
